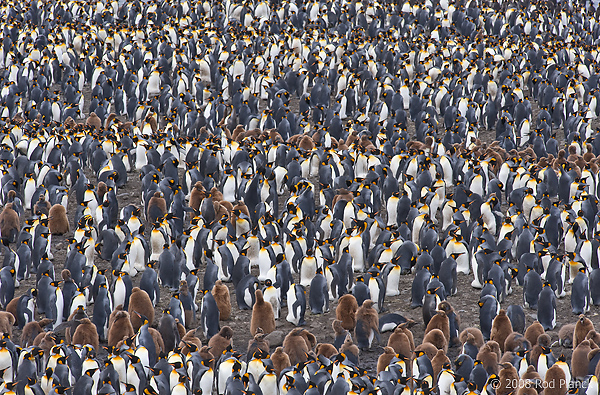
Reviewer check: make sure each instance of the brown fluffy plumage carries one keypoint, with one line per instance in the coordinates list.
(219, 342)
(119, 326)
(516, 341)
(579, 359)
(429, 349)
(221, 294)
(349, 348)
(477, 336)
(437, 338)
(582, 327)
(488, 357)
(11, 307)
(9, 223)
(501, 328)
(565, 335)
(533, 331)
(280, 360)
(159, 344)
(157, 207)
(140, 302)
(262, 315)
(296, 345)
(439, 321)
(555, 381)
(197, 194)
(509, 379)
(94, 121)
(543, 340)
(58, 223)
(400, 342)
(384, 359)
(259, 342)
(86, 334)
(346, 311)
(31, 330)
(326, 349)
(368, 317)
(438, 362)
(42, 206)
(190, 337)
(7, 320)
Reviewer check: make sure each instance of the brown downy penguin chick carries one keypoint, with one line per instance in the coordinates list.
(565, 335)
(439, 321)
(582, 327)
(509, 379)
(75, 317)
(111, 318)
(543, 340)
(180, 328)
(437, 338)
(527, 388)
(338, 330)
(501, 328)
(342, 194)
(555, 381)
(262, 315)
(157, 207)
(295, 346)
(7, 320)
(280, 360)
(579, 360)
(86, 333)
(400, 342)
(94, 121)
(191, 338)
(593, 336)
(221, 294)
(439, 362)
(9, 223)
(120, 327)
(349, 348)
(488, 357)
(346, 311)
(58, 223)
(219, 342)
(326, 349)
(42, 206)
(533, 331)
(46, 343)
(429, 349)
(259, 342)
(11, 307)
(477, 336)
(531, 374)
(241, 207)
(306, 143)
(384, 359)
(367, 316)
(197, 195)
(31, 330)
(140, 302)
(516, 341)
(101, 190)
(206, 355)
(159, 344)
(220, 211)
(216, 195)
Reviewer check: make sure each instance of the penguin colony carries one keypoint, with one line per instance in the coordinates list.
(271, 141)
